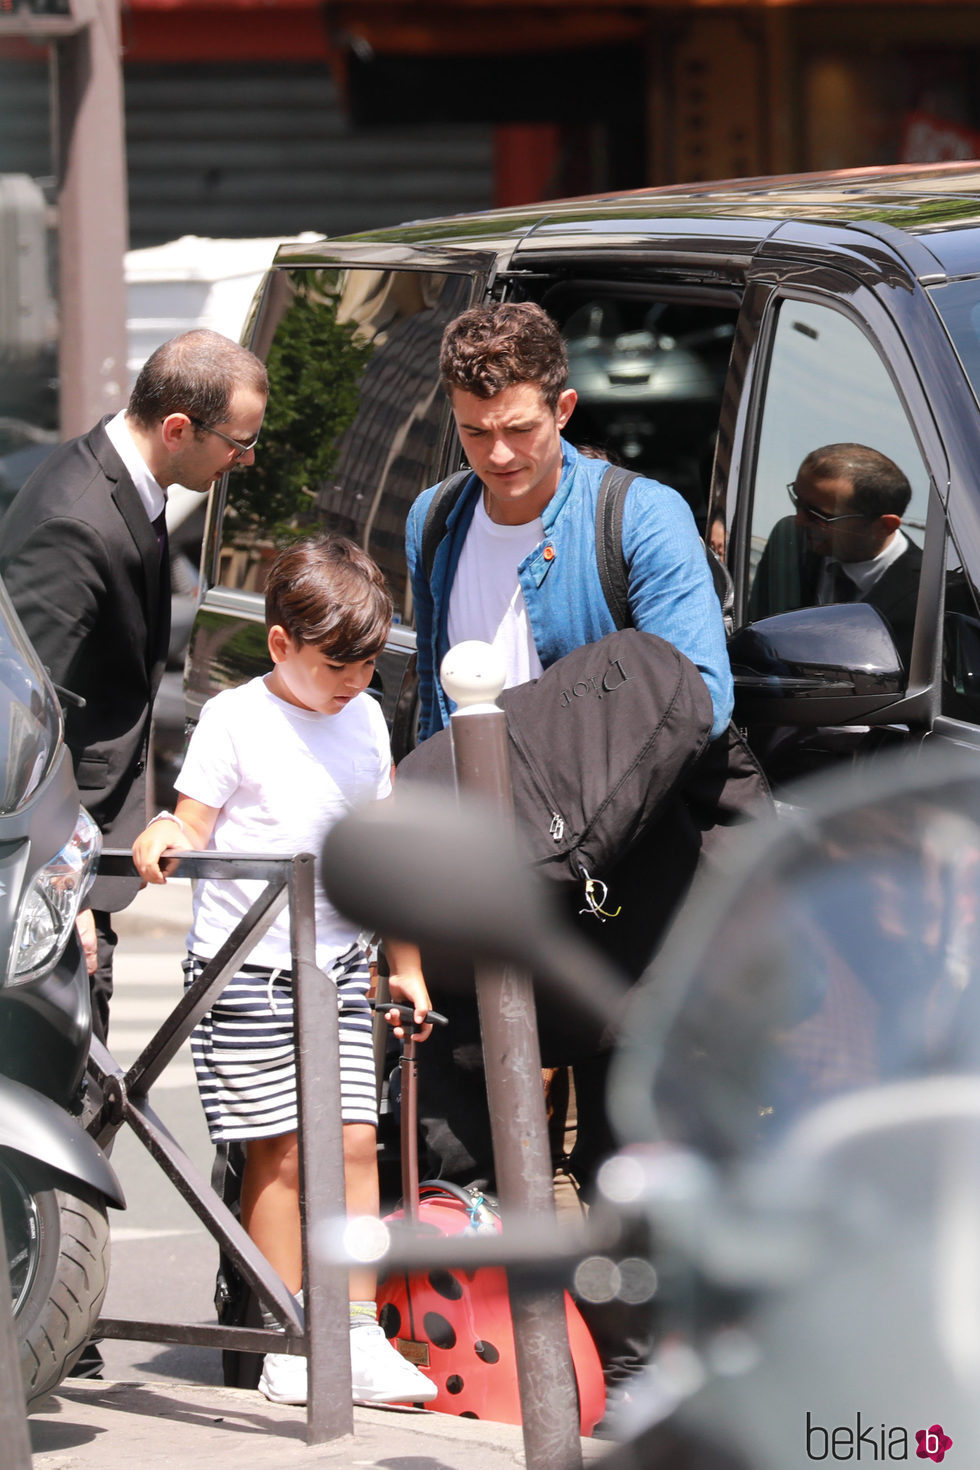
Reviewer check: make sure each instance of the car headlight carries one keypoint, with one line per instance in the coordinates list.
(50, 906)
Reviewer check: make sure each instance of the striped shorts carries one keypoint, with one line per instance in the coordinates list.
(244, 1050)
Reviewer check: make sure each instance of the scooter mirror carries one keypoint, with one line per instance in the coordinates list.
(839, 953)
(810, 1036)
(432, 868)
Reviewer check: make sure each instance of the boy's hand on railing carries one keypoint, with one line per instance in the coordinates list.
(162, 835)
(188, 829)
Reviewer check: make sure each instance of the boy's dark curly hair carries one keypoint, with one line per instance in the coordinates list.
(326, 591)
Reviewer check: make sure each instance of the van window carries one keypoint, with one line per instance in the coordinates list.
(649, 374)
(958, 304)
(825, 385)
(356, 424)
(961, 630)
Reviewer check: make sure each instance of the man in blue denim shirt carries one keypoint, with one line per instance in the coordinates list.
(517, 565)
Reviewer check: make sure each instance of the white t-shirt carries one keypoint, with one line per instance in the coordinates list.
(282, 776)
(486, 601)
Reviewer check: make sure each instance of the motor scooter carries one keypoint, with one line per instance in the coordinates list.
(796, 1093)
(55, 1183)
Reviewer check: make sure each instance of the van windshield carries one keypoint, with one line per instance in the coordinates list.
(29, 715)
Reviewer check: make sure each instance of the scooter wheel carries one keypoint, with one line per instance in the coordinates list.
(58, 1256)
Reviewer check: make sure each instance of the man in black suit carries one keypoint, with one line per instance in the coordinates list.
(845, 542)
(83, 553)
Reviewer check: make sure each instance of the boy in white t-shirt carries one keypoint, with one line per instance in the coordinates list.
(271, 766)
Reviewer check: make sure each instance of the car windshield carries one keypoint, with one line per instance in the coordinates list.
(29, 714)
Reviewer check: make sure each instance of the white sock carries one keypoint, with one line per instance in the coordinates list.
(361, 1312)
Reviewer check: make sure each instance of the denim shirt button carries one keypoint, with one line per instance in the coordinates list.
(549, 553)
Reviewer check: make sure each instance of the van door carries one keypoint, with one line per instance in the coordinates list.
(356, 427)
(648, 357)
(828, 367)
(958, 303)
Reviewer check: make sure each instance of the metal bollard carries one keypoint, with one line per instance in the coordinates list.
(472, 675)
(14, 1436)
(330, 1411)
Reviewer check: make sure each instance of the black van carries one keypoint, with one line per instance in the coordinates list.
(716, 334)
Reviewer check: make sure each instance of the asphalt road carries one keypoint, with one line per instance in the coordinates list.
(163, 1260)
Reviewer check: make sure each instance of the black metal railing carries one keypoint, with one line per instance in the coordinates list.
(319, 1329)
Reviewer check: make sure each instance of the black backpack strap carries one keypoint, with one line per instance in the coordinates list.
(609, 542)
(609, 552)
(440, 509)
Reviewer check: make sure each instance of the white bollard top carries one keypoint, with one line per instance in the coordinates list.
(473, 675)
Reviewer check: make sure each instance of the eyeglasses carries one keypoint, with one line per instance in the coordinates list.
(235, 443)
(817, 515)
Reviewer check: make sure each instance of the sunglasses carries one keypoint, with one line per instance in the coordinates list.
(817, 515)
(236, 444)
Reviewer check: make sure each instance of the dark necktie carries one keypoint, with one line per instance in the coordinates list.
(843, 589)
(159, 524)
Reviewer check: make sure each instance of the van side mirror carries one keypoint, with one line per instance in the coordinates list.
(816, 665)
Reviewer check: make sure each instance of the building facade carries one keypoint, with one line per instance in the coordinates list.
(260, 117)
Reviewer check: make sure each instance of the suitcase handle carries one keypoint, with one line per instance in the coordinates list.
(409, 1068)
(409, 1100)
(435, 1018)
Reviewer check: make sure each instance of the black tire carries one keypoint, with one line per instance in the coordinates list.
(58, 1254)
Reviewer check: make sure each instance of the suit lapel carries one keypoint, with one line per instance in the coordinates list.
(156, 602)
(898, 583)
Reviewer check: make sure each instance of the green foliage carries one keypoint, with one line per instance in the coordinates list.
(315, 366)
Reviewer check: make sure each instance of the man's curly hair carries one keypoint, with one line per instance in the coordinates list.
(490, 348)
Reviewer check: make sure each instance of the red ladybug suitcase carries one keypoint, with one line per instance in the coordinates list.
(456, 1325)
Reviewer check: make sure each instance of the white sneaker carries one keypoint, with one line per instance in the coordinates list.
(380, 1374)
(283, 1379)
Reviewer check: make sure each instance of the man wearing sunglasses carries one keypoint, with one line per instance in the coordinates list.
(84, 555)
(843, 542)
